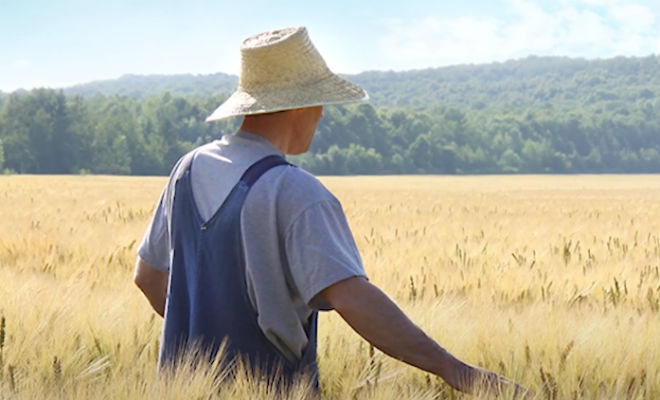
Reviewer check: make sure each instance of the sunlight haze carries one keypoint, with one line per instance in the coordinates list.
(59, 44)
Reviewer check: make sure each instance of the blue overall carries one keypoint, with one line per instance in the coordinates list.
(207, 299)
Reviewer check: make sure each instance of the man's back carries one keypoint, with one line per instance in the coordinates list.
(295, 238)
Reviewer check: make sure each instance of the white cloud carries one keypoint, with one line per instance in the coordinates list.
(466, 38)
(632, 17)
(15, 65)
(583, 31)
(532, 28)
(582, 28)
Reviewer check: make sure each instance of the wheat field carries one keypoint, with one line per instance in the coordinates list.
(552, 281)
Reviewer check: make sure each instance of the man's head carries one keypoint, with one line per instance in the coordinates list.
(291, 131)
(282, 70)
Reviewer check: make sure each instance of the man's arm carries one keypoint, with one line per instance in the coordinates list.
(153, 283)
(378, 320)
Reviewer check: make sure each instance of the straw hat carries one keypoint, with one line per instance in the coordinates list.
(282, 70)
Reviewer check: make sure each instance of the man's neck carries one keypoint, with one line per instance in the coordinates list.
(274, 127)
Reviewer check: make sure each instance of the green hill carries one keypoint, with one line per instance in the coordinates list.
(556, 82)
(548, 82)
(141, 86)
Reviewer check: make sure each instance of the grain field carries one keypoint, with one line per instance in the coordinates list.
(550, 280)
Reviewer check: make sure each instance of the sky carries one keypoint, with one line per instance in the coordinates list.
(59, 43)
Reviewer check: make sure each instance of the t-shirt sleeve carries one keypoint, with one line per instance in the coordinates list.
(321, 251)
(154, 248)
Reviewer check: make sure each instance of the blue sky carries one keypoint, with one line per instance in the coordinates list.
(58, 43)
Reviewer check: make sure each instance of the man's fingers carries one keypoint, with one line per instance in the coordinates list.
(497, 384)
(522, 393)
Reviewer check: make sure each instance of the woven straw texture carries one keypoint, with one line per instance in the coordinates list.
(282, 70)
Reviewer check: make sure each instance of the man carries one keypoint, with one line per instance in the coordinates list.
(245, 247)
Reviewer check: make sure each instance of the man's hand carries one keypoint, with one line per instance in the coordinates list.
(153, 283)
(471, 379)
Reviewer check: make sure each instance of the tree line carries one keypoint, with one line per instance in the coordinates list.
(603, 119)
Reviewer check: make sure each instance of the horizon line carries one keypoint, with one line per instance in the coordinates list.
(392, 70)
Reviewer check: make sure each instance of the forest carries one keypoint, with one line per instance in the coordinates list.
(533, 115)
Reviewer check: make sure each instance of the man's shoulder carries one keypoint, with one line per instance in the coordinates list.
(303, 187)
(207, 158)
(184, 161)
(287, 191)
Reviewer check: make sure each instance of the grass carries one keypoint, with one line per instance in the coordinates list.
(550, 280)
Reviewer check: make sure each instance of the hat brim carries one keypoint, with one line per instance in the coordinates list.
(331, 90)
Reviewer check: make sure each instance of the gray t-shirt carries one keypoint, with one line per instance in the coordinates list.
(295, 236)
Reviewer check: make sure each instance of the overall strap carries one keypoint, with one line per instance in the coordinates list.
(257, 169)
